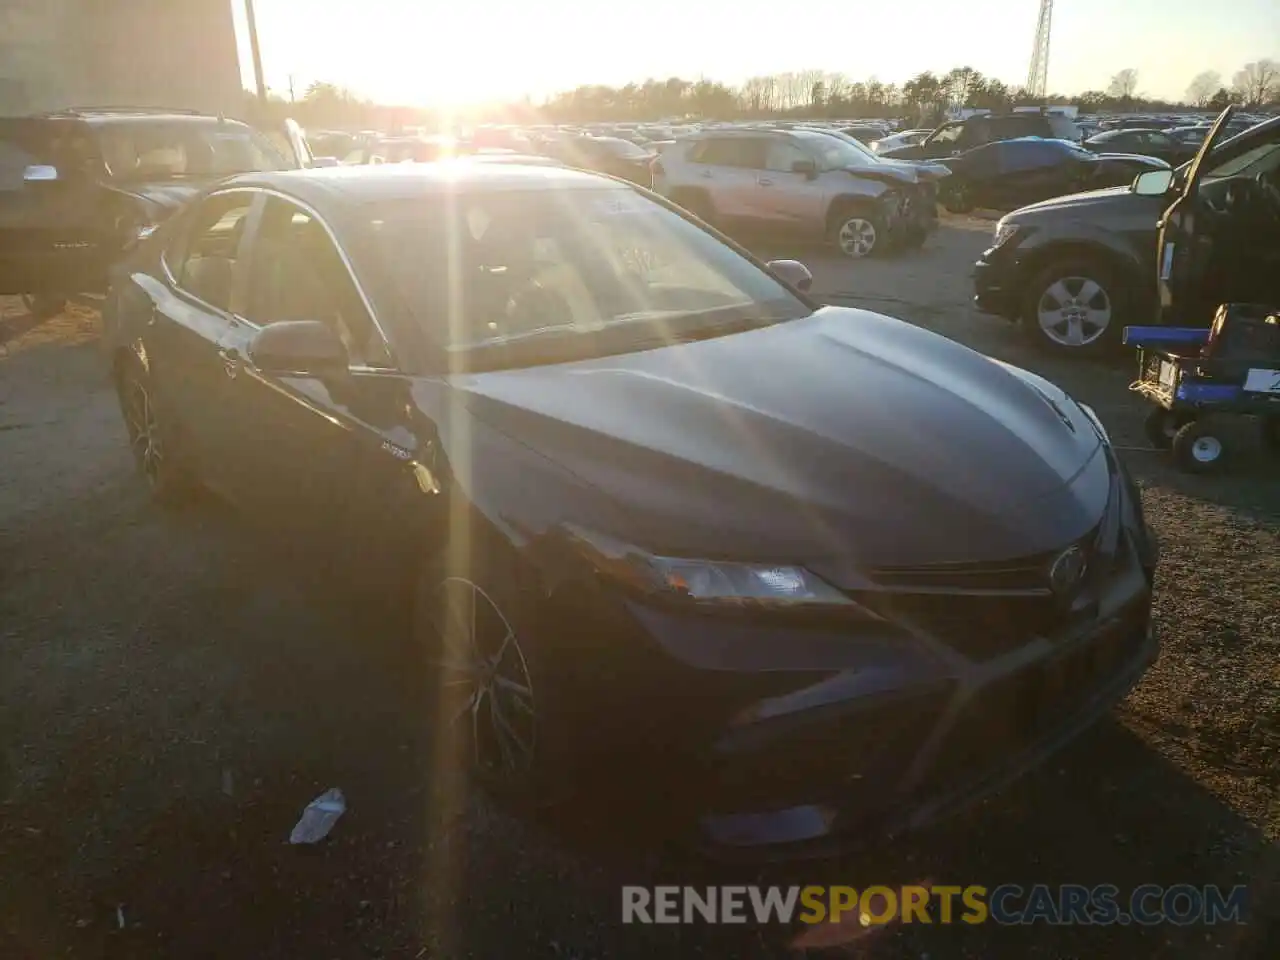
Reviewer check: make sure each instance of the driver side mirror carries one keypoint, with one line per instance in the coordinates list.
(793, 273)
(301, 347)
(806, 167)
(1153, 183)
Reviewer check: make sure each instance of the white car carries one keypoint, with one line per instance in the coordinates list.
(907, 138)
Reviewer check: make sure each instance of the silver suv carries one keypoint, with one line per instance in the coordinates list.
(809, 182)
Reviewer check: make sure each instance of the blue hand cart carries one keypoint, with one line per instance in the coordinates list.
(1194, 375)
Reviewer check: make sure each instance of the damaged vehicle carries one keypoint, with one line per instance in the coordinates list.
(79, 187)
(816, 573)
(810, 184)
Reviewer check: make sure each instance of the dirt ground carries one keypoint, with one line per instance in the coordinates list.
(172, 694)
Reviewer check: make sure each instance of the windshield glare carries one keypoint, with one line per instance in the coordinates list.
(161, 151)
(587, 271)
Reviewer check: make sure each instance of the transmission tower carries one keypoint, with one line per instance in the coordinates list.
(1038, 75)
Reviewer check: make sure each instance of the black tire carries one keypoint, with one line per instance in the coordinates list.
(1197, 448)
(1162, 425)
(44, 306)
(498, 724)
(151, 437)
(1086, 289)
(857, 231)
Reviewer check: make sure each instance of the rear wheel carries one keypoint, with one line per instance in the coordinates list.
(1162, 425)
(957, 197)
(857, 232)
(1073, 306)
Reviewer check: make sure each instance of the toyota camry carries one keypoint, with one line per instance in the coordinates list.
(839, 574)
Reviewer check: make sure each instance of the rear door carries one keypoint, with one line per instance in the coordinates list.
(728, 168)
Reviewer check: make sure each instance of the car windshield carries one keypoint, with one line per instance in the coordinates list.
(1264, 158)
(514, 278)
(836, 150)
(163, 151)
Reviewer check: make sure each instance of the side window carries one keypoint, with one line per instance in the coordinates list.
(782, 155)
(296, 273)
(733, 152)
(203, 256)
(948, 133)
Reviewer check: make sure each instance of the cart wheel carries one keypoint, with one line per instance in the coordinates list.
(1197, 448)
(1162, 426)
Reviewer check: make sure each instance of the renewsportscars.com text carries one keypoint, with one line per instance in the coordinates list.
(1066, 904)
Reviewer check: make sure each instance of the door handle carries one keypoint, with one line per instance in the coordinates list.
(706, 174)
(230, 357)
(765, 182)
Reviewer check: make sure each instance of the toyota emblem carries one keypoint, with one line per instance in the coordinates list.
(1067, 570)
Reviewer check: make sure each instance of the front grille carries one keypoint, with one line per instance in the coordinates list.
(860, 747)
(1016, 711)
(978, 626)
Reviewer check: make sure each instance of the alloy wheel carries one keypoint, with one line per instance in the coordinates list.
(144, 432)
(485, 682)
(1074, 311)
(857, 237)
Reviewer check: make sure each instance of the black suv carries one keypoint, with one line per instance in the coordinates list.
(1074, 270)
(78, 187)
(961, 135)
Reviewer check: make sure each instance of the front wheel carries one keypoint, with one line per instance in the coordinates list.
(958, 198)
(1162, 425)
(149, 438)
(857, 233)
(1073, 306)
(1197, 448)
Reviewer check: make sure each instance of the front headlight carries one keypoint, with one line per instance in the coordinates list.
(712, 582)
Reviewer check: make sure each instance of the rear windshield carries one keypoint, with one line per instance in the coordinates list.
(1063, 128)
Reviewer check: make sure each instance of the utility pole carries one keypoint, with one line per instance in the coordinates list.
(292, 98)
(257, 52)
(1038, 73)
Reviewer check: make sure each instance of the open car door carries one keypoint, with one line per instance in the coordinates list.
(1220, 238)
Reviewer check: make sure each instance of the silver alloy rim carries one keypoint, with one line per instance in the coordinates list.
(1074, 311)
(1206, 449)
(144, 435)
(485, 678)
(857, 237)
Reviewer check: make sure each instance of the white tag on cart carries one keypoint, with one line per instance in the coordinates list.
(1262, 381)
(1168, 373)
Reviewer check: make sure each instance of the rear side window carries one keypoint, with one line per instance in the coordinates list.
(1064, 128)
(746, 152)
(203, 257)
(1011, 128)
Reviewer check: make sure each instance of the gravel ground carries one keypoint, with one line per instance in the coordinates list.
(172, 694)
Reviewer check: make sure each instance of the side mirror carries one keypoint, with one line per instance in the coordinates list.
(806, 167)
(793, 273)
(304, 347)
(40, 173)
(1153, 183)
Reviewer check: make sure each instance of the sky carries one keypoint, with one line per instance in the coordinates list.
(417, 53)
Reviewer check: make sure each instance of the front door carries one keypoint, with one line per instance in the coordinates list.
(328, 461)
(1220, 239)
(191, 318)
(789, 199)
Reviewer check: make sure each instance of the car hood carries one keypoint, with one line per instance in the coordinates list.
(844, 439)
(1091, 204)
(924, 171)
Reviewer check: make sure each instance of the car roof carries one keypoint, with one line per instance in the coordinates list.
(396, 181)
